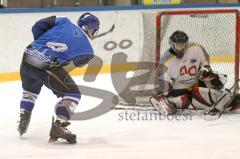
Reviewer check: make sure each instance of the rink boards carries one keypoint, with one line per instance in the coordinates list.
(127, 37)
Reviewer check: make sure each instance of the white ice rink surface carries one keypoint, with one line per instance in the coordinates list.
(107, 137)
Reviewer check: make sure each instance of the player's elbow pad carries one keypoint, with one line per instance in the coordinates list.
(35, 33)
(41, 26)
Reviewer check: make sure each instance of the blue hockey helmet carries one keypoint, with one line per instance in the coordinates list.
(89, 23)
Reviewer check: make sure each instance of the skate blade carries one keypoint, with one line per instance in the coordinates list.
(61, 141)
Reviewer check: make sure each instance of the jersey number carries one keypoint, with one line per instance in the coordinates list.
(191, 71)
(58, 47)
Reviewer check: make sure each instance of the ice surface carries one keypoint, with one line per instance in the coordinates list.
(109, 137)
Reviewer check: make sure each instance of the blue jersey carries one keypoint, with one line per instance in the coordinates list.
(59, 38)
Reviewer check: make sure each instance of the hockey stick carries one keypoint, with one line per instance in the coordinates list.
(235, 86)
(108, 31)
(105, 33)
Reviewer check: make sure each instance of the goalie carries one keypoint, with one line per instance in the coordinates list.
(189, 80)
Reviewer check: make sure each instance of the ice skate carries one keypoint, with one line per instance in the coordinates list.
(25, 117)
(59, 131)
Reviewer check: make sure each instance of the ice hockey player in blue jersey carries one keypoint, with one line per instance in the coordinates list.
(57, 43)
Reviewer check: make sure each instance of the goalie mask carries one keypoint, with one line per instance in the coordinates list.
(178, 42)
(89, 23)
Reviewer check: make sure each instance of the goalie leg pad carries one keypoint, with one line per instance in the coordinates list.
(161, 103)
(201, 98)
(225, 101)
(235, 105)
(204, 98)
(181, 102)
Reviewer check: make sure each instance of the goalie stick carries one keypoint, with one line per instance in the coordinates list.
(217, 116)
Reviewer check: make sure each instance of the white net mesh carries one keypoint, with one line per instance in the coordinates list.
(216, 32)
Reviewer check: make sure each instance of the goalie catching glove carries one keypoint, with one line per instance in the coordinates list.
(211, 79)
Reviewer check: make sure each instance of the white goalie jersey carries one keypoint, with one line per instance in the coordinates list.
(183, 73)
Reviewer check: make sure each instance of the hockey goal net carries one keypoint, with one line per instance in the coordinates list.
(216, 30)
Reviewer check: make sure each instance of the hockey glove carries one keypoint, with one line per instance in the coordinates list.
(205, 71)
(211, 79)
